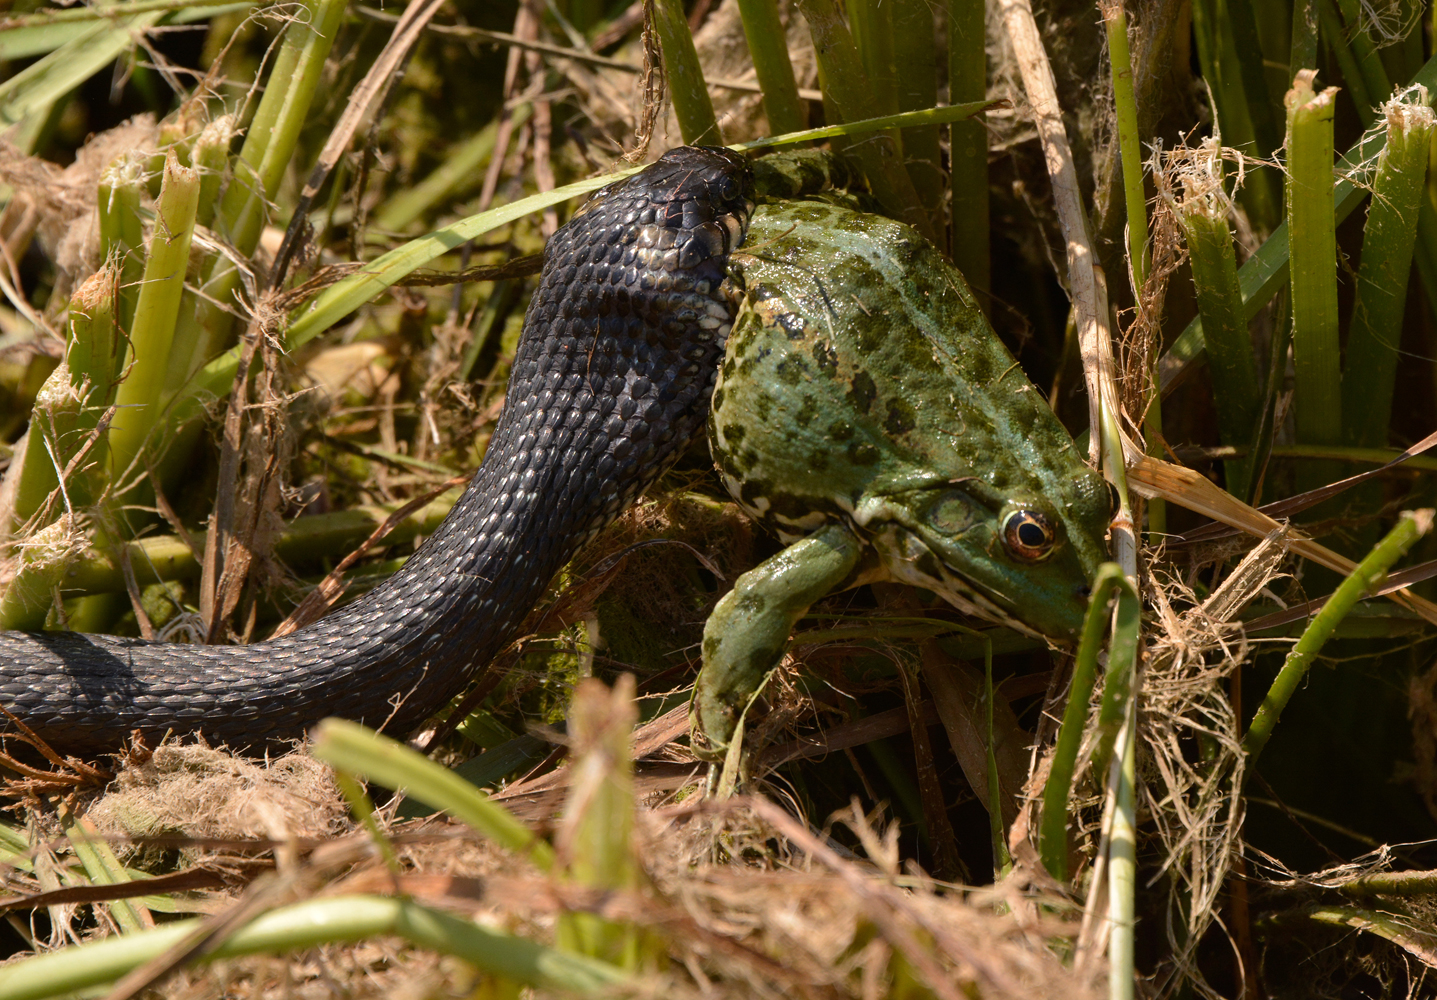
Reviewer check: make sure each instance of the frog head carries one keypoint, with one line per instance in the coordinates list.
(863, 384)
(1022, 560)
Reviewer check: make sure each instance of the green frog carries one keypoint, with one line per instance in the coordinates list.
(869, 415)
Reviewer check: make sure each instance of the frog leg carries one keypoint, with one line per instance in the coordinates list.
(746, 635)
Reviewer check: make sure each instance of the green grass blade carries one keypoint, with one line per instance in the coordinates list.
(1262, 109)
(1316, 349)
(364, 752)
(768, 49)
(1130, 147)
(687, 88)
(311, 924)
(1369, 573)
(1381, 300)
(342, 298)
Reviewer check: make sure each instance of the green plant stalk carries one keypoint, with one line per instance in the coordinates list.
(871, 22)
(1053, 837)
(968, 167)
(1126, 107)
(311, 924)
(1316, 349)
(915, 57)
(28, 597)
(69, 405)
(102, 867)
(156, 310)
(687, 89)
(272, 136)
(122, 235)
(94, 349)
(211, 157)
(1363, 580)
(1118, 688)
(768, 49)
(847, 86)
(1234, 374)
(1123, 858)
(1381, 300)
(464, 165)
(366, 753)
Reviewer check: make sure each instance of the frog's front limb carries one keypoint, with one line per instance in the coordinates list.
(746, 635)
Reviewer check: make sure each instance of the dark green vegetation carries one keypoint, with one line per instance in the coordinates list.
(1305, 871)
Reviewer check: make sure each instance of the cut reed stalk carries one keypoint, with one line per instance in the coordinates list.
(210, 157)
(1202, 213)
(30, 594)
(1313, 269)
(122, 235)
(156, 312)
(1381, 300)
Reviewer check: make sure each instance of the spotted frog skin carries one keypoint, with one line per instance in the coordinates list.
(869, 415)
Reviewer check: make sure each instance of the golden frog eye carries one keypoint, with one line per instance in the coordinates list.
(1029, 535)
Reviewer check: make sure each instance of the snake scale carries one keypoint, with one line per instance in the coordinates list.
(611, 381)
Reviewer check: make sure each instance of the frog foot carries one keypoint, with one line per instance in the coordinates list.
(745, 637)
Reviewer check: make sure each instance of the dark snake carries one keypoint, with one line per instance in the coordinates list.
(610, 383)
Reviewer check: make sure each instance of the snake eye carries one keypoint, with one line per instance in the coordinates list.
(728, 188)
(1029, 535)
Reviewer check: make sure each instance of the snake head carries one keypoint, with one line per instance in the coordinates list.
(690, 206)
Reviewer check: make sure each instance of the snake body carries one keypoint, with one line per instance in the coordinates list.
(611, 380)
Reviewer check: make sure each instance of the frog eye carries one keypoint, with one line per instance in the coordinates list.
(1029, 535)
